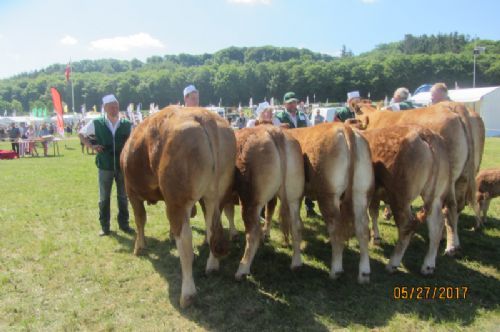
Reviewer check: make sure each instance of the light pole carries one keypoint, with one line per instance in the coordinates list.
(477, 50)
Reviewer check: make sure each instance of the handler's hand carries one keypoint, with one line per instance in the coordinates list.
(98, 148)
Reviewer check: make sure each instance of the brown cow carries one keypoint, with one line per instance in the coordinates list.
(181, 156)
(474, 125)
(488, 187)
(459, 151)
(408, 162)
(268, 163)
(339, 175)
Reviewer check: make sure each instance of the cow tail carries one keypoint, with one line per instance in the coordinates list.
(432, 143)
(279, 141)
(218, 243)
(346, 209)
(470, 169)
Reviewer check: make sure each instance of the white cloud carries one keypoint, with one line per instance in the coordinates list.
(126, 43)
(369, 1)
(68, 40)
(250, 2)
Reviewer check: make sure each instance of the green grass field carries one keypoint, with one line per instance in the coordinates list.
(57, 274)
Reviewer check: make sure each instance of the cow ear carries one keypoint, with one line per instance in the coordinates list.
(364, 121)
(357, 109)
(353, 104)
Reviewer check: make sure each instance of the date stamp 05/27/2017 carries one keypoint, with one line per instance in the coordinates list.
(430, 293)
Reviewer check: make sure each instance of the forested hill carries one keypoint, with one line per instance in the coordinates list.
(235, 74)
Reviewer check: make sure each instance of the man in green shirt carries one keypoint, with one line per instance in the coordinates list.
(292, 116)
(344, 113)
(111, 133)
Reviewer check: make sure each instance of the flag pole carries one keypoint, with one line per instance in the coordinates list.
(72, 90)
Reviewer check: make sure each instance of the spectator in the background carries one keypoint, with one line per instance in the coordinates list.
(318, 118)
(439, 93)
(191, 96)
(264, 116)
(347, 112)
(400, 100)
(44, 131)
(52, 129)
(23, 129)
(241, 121)
(292, 116)
(14, 136)
(31, 136)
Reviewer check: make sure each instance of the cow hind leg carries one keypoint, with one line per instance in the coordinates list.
(477, 212)
(451, 222)
(184, 240)
(140, 222)
(293, 216)
(405, 231)
(329, 206)
(484, 208)
(374, 211)
(363, 234)
(229, 213)
(251, 216)
(209, 209)
(270, 207)
(435, 226)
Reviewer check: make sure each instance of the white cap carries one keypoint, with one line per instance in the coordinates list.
(189, 89)
(109, 99)
(353, 94)
(261, 107)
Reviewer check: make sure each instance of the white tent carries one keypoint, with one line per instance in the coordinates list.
(485, 101)
(20, 119)
(68, 118)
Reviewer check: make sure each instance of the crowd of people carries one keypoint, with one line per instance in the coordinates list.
(28, 136)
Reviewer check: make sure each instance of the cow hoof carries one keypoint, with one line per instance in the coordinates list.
(233, 236)
(391, 269)
(453, 252)
(240, 276)
(210, 271)
(336, 275)
(427, 270)
(139, 251)
(364, 278)
(377, 241)
(186, 301)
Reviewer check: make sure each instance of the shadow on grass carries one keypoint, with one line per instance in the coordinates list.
(274, 298)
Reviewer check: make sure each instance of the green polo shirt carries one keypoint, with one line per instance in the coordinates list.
(284, 117)
(344, 113)
(109, 159)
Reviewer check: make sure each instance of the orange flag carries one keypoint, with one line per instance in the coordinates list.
(56, 99)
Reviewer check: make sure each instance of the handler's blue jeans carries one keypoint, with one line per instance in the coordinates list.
(105, 184)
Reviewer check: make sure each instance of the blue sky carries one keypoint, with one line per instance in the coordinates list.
(35, 34)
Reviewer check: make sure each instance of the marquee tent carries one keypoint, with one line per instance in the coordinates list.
(485, 101)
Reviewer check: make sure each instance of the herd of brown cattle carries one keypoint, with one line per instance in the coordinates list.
(188, 155)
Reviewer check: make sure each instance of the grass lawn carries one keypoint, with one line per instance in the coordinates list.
(57, 274)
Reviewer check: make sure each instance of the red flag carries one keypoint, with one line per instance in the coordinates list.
(68, 71)
(56, 99)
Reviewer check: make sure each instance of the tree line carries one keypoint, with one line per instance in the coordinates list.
(235, 74)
